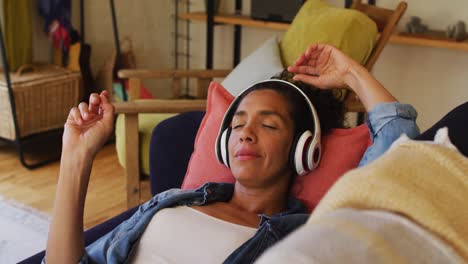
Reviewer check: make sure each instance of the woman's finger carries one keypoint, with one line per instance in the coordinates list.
(309, 79)
(104, 95)
(94, 101)
(317, 52)
(76, 116)
(300, 60)
(83, 107)
(292, 68)
(297, 69)
(305, 70)
(105, 104)
(106, 107)
(315, 55)
(314, 48)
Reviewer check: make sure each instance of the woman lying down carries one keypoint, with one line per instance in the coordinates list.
(270, 134)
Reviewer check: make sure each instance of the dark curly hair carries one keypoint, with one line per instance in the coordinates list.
(330, 108)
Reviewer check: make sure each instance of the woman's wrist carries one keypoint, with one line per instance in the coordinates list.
(73, 181)
(77, 150)
(367, 88)
(353, 76)
(76, 160)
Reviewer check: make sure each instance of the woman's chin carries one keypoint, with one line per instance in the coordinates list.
(246, 173)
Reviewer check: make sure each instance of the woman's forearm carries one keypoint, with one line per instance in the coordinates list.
(65, 243)
(369, 90)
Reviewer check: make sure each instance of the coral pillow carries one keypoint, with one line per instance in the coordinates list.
(203, 165)
(342, 150)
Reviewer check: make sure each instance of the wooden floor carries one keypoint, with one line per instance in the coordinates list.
(36, 188)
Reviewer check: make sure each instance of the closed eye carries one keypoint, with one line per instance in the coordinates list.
(237, 126)
(269, 126)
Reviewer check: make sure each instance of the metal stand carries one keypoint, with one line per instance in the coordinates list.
(82, 27)
(237, 36)
(117, 46)
(186, 37)
(19, 143)
(210, 9)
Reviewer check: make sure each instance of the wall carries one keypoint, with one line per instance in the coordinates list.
(432, 79)
(148, 23)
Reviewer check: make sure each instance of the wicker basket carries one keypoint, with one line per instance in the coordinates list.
(43, 98)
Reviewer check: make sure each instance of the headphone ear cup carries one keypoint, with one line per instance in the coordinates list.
(314, 155)
(301, 153)
(223, 145)
(292, 153)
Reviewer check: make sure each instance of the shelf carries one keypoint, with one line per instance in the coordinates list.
(249, 22)
(236, 20)
(421, 41)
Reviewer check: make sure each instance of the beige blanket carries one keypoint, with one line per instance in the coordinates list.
(424, 182)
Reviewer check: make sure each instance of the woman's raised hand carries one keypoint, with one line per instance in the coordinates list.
(88, 126)
(326, 67)
(323, 66)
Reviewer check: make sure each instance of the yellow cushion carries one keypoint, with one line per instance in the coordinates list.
(146, 124)
(318, 22)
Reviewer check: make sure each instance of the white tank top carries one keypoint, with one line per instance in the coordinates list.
(185, 235)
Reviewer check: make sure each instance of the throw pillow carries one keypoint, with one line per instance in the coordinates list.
(318, 22)
(248, 71)
(203, 165)
(342, 150)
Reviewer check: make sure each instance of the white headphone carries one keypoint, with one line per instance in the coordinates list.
(305, 151)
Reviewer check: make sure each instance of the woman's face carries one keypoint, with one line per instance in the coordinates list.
(261, 137)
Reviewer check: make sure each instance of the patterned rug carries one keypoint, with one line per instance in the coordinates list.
(23, 231)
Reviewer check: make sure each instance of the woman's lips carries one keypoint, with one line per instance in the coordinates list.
(244, 154)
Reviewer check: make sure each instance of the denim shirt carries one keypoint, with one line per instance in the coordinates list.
(386, 122)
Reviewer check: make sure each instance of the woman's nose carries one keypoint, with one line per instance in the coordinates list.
(247, 134)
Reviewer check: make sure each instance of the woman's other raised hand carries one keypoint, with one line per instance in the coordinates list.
(88, 126)
(326, 67)
(323, 66)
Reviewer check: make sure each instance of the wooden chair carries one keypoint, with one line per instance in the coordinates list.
(175, 105)
(386, 20)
